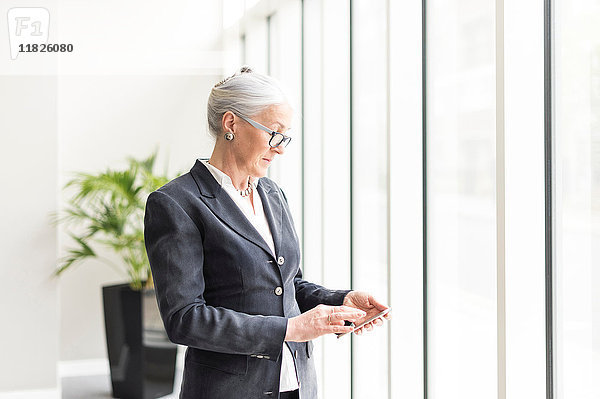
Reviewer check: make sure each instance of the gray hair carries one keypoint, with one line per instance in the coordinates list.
(245, 93)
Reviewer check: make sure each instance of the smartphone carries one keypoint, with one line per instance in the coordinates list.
(381, 314)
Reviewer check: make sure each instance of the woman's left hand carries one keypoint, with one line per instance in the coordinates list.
(366, 302)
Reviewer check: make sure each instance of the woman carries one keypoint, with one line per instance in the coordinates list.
(225, 259)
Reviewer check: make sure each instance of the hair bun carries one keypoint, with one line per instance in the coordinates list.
(244, 69)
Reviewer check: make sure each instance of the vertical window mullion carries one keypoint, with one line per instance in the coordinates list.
(548, 189)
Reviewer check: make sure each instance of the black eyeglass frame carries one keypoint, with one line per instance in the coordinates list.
(285, 140)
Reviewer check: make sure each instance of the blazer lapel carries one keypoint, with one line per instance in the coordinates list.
(273, 211)
(221, 204)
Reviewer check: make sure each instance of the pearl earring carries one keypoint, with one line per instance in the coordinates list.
(229, 136)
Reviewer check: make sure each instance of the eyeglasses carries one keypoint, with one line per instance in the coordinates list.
(276, 138)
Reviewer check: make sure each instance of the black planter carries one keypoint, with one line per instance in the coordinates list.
(141, 357)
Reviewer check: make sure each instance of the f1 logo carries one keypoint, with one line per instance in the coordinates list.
(27, 25)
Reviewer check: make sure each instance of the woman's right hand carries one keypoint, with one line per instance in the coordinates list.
(321, 320)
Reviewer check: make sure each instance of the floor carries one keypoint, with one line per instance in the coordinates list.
(98, 387)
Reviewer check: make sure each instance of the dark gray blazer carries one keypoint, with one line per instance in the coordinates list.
(222, 293)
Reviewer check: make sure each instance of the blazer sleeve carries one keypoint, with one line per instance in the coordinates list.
(309, 295)
(175, 251)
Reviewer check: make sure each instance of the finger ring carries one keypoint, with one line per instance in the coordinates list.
(329, 319)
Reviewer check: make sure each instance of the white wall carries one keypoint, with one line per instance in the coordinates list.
(28, 161)
(29, 296)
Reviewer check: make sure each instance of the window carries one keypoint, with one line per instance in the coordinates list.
(576, 179)
(461, 211)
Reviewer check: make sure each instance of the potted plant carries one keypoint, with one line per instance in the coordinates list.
(107, 210)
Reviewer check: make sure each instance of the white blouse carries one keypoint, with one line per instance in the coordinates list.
(256, 216)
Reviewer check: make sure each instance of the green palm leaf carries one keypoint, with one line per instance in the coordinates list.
(107, 209)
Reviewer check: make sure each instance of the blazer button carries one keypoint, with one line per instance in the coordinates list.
(280, 260)
(278, 291)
